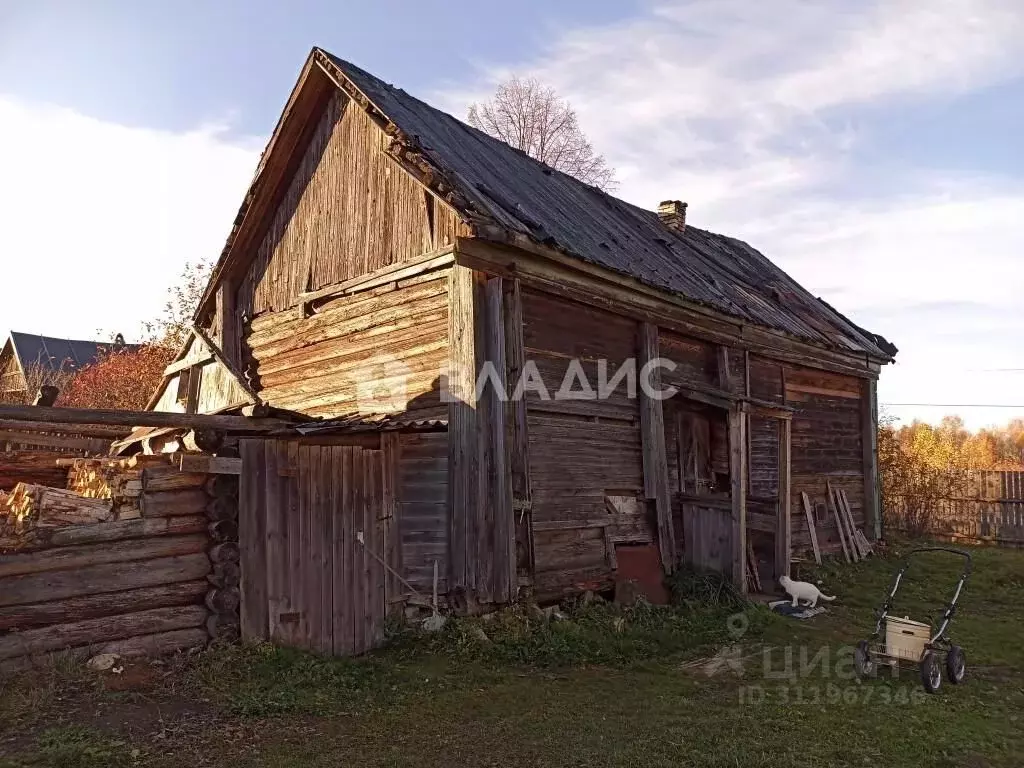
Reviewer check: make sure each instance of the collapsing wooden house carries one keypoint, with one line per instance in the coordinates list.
(388, 257)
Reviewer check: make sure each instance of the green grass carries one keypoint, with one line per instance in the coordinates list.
(609, 687)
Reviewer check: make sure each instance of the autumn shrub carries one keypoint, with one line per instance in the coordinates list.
(121, 378)
(924, 466)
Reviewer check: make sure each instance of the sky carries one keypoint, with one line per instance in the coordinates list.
(871, 149)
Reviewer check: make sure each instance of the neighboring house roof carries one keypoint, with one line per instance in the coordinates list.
(56, 354)
(498, 187)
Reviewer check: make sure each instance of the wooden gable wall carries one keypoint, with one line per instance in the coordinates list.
(201, 378)
(12, 381)
(347, 211)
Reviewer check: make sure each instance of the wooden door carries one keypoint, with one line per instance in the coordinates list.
(312, 528)
(703, 495)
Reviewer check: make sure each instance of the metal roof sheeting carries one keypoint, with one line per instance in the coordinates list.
(57, 354)
(525, 196)
(361, 424)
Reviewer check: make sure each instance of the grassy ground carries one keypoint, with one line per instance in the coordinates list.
(606, 688)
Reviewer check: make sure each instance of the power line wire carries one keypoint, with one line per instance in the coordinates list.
(954, 405)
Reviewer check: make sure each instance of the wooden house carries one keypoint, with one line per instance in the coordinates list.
(29, 360)
(386, 253)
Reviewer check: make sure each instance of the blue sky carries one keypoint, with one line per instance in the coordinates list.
(871, 149)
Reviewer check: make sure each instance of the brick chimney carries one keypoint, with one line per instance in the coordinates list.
(672, 214)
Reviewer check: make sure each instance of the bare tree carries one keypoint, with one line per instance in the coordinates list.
(171, 328)
(529, 116)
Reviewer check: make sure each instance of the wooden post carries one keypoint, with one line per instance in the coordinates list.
(515, 359)
(724, 374)
(499, 499)
(783, 530)
(655, 460)
(518, 442)
(463, 448)
(227, 324)
(737, 476)
(869, 442)
(391, 445)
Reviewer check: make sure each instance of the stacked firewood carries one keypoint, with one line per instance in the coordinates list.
(139, 486)
(37, 506)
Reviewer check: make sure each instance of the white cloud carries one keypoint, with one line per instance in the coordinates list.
(100, 218)
(752, 112)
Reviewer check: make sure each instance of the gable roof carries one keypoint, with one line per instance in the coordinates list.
(505, 195)
(56, 354)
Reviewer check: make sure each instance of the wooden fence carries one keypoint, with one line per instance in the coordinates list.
(991, 510)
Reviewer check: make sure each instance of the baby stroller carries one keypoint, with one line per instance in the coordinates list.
(909, 640)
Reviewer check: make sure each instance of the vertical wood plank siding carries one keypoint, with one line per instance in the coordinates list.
(423, 509)
(579, 450)
(463, 428)
(307, 579)
(826, 446)
(348, 210)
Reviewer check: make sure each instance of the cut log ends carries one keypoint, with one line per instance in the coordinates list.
(225, 552)
(223, 601)
(222, 486)
(225, 575)
(208, 440)
(222, 508)
(223, 530)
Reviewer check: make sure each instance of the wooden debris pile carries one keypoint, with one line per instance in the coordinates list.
(134, 557)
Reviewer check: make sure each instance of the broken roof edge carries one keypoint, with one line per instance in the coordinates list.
(878, 339)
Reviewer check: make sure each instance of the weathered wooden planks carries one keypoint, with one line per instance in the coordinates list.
(738, 490)
(501, 523)
(347, 211)
(252, 520)
(811, 527)
(652, 428)
(463, 427)
(320, 576)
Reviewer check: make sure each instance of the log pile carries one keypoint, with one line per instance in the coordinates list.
(135, 557)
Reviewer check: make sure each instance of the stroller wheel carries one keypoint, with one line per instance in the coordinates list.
(956, 665)
(863, 663)
(931, 672)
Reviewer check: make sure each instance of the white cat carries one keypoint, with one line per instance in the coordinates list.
(801, 590)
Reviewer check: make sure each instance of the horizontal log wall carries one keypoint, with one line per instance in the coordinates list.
(580, 451)
(373, 352)
(348, 210)
(34, 467)
(156, 583)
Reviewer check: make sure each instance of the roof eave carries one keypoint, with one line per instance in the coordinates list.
(495, 233)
